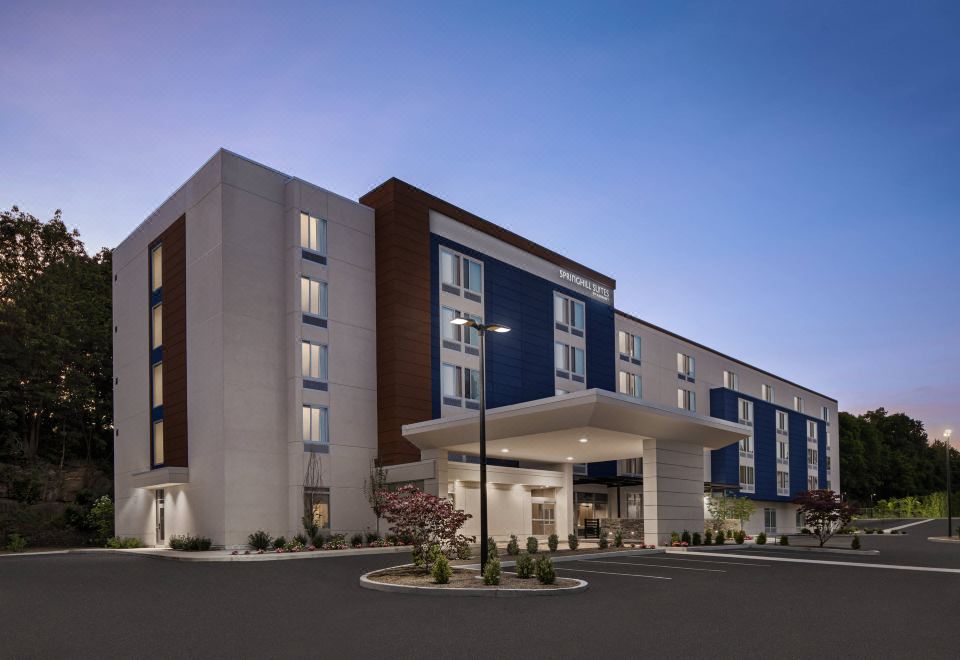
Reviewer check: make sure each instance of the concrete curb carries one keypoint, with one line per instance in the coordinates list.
(563, 558)
(487, 592)
(799, 548)
(943, 539)
(215, 556)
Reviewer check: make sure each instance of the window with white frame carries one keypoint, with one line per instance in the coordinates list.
(829, 463)
(577, 361)
(783, 423)
(450, 269)
(812, 434)
(313, 233)
(812, 482)
(798, 404)
(458, 271)
(629, 346)
(783, 452)
(635, 505)
(766, 393)
(569, 314)
(745, 411)
(686, 366)
(825, 414)
(448, 330)
(451, 383)
(313, 360)
(313, 297)
(828, 438)
(783, 482)
(631, 466)
(686, 399)
(569, 361)
(769, 520)
(471, 384)
(629, 384)
(731, 381)
(746, 446)
(812, 457)
(746, 476)
(472, 276)
(315, 424)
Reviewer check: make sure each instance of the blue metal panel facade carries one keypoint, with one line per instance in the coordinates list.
(520, 363)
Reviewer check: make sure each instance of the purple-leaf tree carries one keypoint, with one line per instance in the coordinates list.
(823, 512)
(431, 524)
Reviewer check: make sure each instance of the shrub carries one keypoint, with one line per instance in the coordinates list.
(532, 544)
(393, 539)
(491, 572)
(881, 531)
(189, 543)
(784, 540)
(805, 531)
(513, 547)
(719, 538)
(762, 538)
(708, 537)
(738, 537)
(572, 541)
(294, 546)
(603, 543)
(117, 542)
(370, 537)
(356, 540)
(279, 542)
(100, 518)
(685, 537)
(552, 542)
(545, 571)
(674, 538)
(524, 566)
(302, 540)
(618, 539)
(259, 540)
(855, 543)
(464, 551)
(318, 540)
(16, 543)
(441, 570)
(336, 542)
(492, 549)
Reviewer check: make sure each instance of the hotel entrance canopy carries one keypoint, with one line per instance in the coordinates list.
(581, 427)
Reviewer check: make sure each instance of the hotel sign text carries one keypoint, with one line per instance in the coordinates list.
(595, 289)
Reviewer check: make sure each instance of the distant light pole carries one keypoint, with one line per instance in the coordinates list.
(946, 437)
(482, 330)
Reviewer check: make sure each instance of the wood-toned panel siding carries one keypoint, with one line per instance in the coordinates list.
(175, 344)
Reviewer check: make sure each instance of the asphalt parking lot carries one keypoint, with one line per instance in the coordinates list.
(694, 604)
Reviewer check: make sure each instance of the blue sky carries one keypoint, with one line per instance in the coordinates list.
(778, 180)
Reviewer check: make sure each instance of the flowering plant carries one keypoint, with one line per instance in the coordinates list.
(336, 542)
(424, 521)
(684, 544)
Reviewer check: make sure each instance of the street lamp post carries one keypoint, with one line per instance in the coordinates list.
(946, 437)
(482, 330)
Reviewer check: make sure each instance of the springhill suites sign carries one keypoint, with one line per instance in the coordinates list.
(592, 287)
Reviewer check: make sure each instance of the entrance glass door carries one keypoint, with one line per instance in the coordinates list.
(161, 532)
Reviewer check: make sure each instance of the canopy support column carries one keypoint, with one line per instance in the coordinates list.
(672, 489)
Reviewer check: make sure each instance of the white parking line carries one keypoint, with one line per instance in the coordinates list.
(707, 561)
(920, 522)
(582, 570)
(676, 568)
(895, 567)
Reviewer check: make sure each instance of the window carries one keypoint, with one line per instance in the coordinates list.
(449, 268)
(812, 458)
(686, 399)
(783, 482)
(569, 359)
(631, 466)
(313, 297)
(577, 361)
(770, 521)
(825, 414)
(798, 404)
(828, 439)
(766, 393)
(635, 505)
(629, 384)
(448, 330)
(157, 332)
(746, 446)
(731, 381)
(472, 276)
(829, 463)
(812, 482)
(315, 424)
(686, 366)
(471, 384)
(313, 361)
(158, 442)
(561, 356)
(812, 434)
(569, 314)
(316, 505)
(783, 423)
(746, 411)
(156, 268)
(783, 452)
(629, 346)
(157, 389)
(313, 233)
(746, 476)
(451, 383)
(543, 511)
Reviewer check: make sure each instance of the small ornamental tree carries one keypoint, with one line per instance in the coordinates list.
(742, 508)
(425, 520)
(721, 510)
(823, 512)
(375, 488)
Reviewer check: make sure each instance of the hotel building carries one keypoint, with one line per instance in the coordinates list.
(272, 339)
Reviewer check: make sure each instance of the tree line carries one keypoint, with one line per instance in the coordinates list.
(56, 395)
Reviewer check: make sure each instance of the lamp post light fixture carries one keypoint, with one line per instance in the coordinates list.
(946, 442)
(482, 329)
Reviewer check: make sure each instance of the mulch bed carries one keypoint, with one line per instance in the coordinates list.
(461, 579)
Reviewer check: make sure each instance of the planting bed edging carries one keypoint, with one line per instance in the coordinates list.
(943, 539)
(488, 592)
(561, 558)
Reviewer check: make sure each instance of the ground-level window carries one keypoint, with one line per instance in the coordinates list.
(316, 504)
(543, 512)
(800, 522)
(635, 505)
(590, 505)
(770, 520)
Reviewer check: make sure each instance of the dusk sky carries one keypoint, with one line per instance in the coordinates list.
(777, 180)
